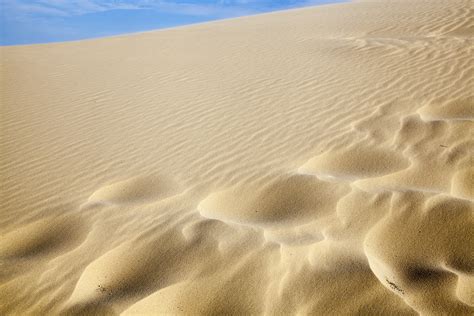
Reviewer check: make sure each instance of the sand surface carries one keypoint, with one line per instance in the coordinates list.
(312, 161)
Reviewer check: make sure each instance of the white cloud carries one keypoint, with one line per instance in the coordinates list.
(22, 10)
(63, 8)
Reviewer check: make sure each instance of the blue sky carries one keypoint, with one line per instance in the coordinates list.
(41, 21)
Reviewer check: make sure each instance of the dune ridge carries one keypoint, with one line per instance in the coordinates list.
(313, 161)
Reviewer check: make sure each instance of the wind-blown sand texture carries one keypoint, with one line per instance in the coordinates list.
(313, 161)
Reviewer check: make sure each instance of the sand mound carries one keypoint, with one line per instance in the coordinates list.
(462, 184)
(288, 199)
(437, 259)
(135, 190)
(41, 238)
(455, 110)
(315, 161)
(354, 163)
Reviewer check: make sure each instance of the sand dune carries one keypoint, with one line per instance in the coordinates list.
(312, 161)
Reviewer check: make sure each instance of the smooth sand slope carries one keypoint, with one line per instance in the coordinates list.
(313, 161)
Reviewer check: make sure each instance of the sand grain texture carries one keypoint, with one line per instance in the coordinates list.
(313, 161)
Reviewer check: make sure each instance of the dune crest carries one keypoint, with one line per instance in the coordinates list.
(316, 161)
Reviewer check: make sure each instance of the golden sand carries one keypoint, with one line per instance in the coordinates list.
(312, 161)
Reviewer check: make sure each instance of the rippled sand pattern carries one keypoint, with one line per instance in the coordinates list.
(314, 161)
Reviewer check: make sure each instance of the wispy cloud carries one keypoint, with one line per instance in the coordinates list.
(190, 7)
(63, 8)
(19, 17)
(80, 7)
